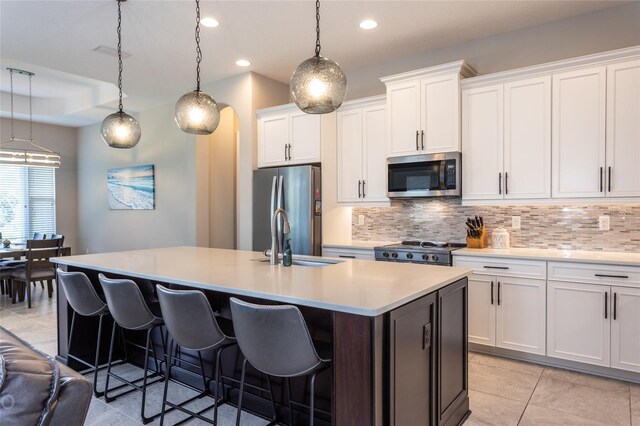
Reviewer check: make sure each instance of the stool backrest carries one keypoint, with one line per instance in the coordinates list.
(274, 338)
(126, 304)
(179, 309)
(81, 294)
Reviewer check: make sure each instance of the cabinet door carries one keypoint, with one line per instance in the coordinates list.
(412, 362)
(350, 156)
(578, 131)
(305, 138)
(374, 158)
(273, 139)
(527, 138)
(521, 314)
(482, 309)
(482, 143)
(625, 328)
(440, 114)
(403, 103)
(578, 326)
(623, 129)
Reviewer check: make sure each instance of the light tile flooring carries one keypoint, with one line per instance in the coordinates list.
(502, 391)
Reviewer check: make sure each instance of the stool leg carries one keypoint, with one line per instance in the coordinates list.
(312, 405)
(289, 398)
(97, 362)
(168, 356)
(273, 401)
(106, 385)
(215, 395)
(73, 322)
(244, 370)
(204, 379)
(145, 420)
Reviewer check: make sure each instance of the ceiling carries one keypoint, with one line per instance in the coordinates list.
(56, 38)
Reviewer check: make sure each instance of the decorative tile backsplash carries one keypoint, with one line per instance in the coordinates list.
(572, 227)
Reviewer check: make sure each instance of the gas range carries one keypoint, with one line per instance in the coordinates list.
(426, 252)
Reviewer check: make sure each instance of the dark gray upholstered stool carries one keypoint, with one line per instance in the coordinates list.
(130, 312)
(179, 308)
(275, 340)
(84, 301)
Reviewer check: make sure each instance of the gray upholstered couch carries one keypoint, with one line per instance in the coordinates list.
(37, 390)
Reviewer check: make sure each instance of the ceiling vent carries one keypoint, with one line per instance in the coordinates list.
(110, 51)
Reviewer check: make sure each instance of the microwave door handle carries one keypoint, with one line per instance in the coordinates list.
(443, 183)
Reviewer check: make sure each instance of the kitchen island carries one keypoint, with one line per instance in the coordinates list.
(397, 332)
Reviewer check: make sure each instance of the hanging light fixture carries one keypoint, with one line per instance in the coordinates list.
(196, 112)
(318, 85)
(39, 156)
(120, 130)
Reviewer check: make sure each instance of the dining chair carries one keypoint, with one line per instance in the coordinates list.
(39, 236)
(37, 267)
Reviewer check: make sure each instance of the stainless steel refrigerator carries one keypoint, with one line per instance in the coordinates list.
(296, 189)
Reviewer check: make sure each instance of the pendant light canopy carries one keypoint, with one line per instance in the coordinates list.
(120, 130)
(318, 85)
(37, 155)
(196, 112)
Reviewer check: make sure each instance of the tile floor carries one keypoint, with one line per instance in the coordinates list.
(501, 391)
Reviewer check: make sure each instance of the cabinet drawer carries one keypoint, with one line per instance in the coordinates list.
(349, 253)
(595, 273)
(503, 267)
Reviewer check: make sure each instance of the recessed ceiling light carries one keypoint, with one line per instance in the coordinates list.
(368, 24)
(243, 63)
(209, 22)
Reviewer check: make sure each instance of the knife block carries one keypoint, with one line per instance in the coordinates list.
(481, 242)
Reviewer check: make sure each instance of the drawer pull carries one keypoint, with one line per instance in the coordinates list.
(611, 276)
(347, 256)
(496, 267)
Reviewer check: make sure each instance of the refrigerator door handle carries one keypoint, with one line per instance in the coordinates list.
(280, 206)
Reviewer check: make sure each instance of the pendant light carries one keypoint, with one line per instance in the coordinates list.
(39, 155)
(120, 130)
(196, 112)
(318, 85)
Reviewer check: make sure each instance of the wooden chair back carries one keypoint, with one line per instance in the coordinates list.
(39, 252)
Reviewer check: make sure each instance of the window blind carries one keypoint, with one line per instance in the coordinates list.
(27, 201)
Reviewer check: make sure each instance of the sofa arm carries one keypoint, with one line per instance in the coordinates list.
(73, 399)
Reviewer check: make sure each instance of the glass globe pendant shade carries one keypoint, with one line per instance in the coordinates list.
(318, 85)
(197, 113)
(120, 130)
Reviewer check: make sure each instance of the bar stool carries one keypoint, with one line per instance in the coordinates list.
(84, 301)
(179, 308)
(275, 340)
(131, 312)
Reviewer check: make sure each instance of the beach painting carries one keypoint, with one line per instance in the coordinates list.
(131, 188)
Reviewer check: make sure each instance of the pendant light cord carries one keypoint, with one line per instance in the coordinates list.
(30, 111)
(198, 50)
(13, 136)
(119, 56)
(317, 28)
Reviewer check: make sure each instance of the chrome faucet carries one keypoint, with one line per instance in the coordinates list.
(273, 259)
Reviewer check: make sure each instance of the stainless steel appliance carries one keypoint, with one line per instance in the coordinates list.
(295, 189)
(429, 175)
(426, 252)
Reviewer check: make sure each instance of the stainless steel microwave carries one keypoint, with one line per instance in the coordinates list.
(429, 175)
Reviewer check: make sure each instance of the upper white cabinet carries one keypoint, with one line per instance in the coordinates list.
(579, 133)
(423, 110)
(623, 129)
(361, 152)
(287, 136)
(506, 140)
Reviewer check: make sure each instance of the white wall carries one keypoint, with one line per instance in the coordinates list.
(609, 29)
(63, 140)
(171, 223)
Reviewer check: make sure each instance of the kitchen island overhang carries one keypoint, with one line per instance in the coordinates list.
(378, 318)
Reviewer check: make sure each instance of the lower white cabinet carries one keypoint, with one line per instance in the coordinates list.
(625, 328)
(365, 253)
(482, 312)
(578, 326)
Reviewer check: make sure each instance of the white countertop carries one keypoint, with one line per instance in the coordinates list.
(354, 286)
(611, 258)
(359, 244)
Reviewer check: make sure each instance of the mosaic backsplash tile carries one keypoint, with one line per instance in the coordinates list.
(573, 227)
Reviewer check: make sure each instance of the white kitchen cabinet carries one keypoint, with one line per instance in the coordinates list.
(625, 328)
(287, 136)
(361, 152)
(423, 110)
(578, 326)
(343, 252)
(579, 133)
(623, 129)
(506, 140)
(507, 311)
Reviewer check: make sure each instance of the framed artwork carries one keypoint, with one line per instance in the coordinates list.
(131, 188)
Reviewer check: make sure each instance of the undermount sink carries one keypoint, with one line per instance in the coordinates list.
(302, 262)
